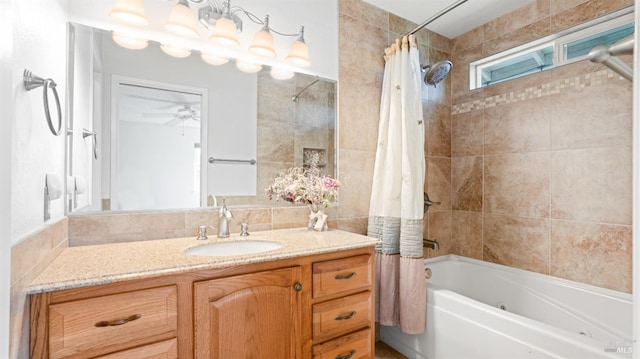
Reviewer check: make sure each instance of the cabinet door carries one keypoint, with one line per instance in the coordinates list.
(255, 315)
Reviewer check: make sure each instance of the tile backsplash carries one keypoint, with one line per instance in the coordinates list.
(127, 227)
(29, 258)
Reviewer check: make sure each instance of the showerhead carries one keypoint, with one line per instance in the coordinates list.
(437, 72)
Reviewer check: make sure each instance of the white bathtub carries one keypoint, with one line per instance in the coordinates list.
(483, 310)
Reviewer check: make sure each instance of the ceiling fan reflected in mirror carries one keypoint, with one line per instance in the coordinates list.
(185, 115)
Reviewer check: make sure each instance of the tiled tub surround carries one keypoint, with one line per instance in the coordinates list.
(541, 165)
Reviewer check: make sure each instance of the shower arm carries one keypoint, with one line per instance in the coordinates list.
(604, 54)
(296, 96)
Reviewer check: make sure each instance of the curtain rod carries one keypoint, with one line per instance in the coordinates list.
(436, 16)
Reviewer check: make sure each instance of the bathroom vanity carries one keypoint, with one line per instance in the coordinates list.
(311, 298)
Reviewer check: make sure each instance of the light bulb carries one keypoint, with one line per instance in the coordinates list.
(175, 51)
(214, 59)
(225, 33)
(263, 44)
(129, 12)
(248, 66)
(281, 74)
(181, 20)
(299, 54)
(128, 41)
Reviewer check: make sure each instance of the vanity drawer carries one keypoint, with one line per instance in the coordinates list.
(167, 349)
(341, 316)
(351, 346)
(341, 275)
(100, 325)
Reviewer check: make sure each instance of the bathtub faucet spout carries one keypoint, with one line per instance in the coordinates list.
(427, 243)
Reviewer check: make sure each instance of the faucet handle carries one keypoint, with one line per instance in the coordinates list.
(244, 229)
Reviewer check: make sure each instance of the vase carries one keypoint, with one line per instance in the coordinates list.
(317, 218)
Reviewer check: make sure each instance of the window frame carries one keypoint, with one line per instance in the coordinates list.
(557, 41)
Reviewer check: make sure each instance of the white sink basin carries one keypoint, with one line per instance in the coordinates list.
(233, 248)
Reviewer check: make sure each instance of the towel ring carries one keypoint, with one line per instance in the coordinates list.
(86, 133)
(31, 82)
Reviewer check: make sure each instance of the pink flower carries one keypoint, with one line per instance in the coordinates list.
(329, 182)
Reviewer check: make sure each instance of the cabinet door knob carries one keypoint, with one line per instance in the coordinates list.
(297, 287)
(345, 317)
(117, 322)
(346, 276)
(346, 356)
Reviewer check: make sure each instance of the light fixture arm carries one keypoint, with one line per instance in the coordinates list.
(299, 34)
(209, 14)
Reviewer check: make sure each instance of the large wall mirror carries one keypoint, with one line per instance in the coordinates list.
(149, 131)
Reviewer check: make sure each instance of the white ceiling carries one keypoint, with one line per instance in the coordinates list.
(467, 16)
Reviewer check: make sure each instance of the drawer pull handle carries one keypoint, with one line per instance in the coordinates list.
(346, 356)
(346, 276)
(117, 322)
(346, 317)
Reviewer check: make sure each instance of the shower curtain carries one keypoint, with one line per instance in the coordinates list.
(396, 208)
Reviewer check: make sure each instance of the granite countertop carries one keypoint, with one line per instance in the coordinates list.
(106, 263)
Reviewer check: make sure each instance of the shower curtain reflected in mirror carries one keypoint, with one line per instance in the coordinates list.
(396, 208)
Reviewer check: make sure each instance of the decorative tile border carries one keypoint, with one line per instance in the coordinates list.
(548, 89)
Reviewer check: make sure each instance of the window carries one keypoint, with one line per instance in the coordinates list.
(568, 46)
(579, 49)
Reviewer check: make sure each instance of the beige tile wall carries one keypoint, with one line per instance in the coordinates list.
(28, 259)
(541, 165)
(285, 128)
(365, 31)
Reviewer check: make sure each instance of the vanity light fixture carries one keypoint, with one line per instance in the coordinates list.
(174, 50)
(279, 73)
(226, 33)
(181, 20)
(128, 41)
(223, 20)
(213, 59)
(129, 12)
(248, 66)
(225, 28)
(262, 44)
(299, 53)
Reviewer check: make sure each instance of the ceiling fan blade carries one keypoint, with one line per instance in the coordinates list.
(173, 122)
(158, 115)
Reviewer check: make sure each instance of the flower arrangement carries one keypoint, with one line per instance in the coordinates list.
(307, 186)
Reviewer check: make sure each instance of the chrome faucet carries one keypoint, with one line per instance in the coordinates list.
(427, 243)
(224, 216)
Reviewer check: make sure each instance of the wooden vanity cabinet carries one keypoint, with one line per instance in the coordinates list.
(318, 306)
(343, 308)
(256, 315)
